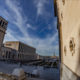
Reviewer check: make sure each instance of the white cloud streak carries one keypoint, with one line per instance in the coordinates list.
(43, 46)
(40, 5)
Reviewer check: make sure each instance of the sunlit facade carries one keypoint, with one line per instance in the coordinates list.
(68, 14)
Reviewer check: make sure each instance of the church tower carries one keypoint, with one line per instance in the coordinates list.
(3, 27)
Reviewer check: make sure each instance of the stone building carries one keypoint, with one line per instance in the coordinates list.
(9, 54)
(3, 27)
(24, 51)
(68, 15)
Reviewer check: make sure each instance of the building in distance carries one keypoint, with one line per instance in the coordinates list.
(24, 52)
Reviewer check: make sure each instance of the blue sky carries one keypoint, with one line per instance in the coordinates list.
(32, 22)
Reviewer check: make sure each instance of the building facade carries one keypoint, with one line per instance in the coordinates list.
(68, 15)
(9, 54)
(24, 51)
(3, 27)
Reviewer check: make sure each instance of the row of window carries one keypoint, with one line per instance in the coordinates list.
(9, 55)
(8, 44)
(24, 48)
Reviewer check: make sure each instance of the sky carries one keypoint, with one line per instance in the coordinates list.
(33, 23)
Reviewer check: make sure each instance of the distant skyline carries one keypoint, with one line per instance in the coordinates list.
(31, 22)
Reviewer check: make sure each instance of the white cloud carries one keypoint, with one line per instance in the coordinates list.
(18, 19)
(30, 26)
(9, 37)
(40, 5)
(43, 45)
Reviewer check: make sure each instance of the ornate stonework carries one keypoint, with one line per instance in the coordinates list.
(72, 46)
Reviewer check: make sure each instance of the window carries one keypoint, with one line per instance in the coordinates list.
(8, 44)
(0, 22)
(18, 56)
(9, 54)
(3, 24)
(6, 54)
